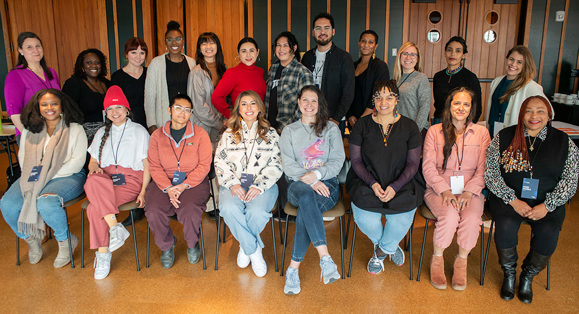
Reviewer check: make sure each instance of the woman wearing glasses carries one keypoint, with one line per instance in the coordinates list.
(179, 159)
(414, 88)
(167, 76)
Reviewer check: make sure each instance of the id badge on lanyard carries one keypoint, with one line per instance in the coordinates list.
(35, 174)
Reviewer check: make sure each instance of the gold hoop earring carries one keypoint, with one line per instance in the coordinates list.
(237, 60)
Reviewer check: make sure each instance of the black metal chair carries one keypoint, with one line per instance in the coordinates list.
(337, 211)
(484, 266)
(67, 204)
(429, 216)
(130, 207)
(407, 248)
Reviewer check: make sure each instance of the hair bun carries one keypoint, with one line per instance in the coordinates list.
(173, 25)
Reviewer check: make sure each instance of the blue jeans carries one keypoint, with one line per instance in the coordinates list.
(309, 222)
(387, 237)
(49, 206)
(247, 220)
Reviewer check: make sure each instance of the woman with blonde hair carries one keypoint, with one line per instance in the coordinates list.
(413, 85)
(509, 91)
(248, 165)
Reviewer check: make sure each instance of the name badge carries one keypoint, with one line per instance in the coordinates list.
(179, 177)
(246, 180)
(457, 184)
(34, 174)
(118, 179)
(530, 188)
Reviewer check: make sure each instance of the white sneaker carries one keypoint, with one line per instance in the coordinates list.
(102, 265)
(328, 218)
(258, 263)
(242, 259)
(118, 235)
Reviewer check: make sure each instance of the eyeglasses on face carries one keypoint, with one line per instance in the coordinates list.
(171, 40)
(411, 55)
(179, 109)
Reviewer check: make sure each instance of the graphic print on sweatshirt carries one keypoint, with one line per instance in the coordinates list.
(311, 154)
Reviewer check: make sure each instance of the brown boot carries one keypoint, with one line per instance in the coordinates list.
(459, 274)
(437, 277)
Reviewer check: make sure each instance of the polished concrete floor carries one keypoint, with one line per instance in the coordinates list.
(189, 288)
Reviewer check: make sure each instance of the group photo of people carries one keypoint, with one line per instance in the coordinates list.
(186, 135)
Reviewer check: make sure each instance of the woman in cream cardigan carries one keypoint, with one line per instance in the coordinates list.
(158, 91)
(509, 91)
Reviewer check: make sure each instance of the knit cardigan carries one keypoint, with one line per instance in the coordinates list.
(156, 91)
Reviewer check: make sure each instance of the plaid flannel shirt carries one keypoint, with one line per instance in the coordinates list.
(293, 78)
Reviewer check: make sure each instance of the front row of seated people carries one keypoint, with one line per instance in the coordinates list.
(531, 170)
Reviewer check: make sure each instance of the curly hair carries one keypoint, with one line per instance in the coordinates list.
(173, 26)
(33, 120)
(448, 129)
(78, 65)
(234, 122)
(322, 116)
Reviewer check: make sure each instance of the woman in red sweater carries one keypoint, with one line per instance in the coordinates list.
(179, 159)
(245, 76)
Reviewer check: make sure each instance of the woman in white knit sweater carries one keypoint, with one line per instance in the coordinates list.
(248, 165)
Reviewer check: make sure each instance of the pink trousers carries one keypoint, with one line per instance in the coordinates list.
(105, 199)
(467, 221)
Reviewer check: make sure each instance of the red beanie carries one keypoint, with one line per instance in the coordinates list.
(115, 97)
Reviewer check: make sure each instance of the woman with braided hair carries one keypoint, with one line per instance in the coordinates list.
(118, 173)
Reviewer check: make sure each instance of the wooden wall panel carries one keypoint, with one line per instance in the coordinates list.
(167, 10)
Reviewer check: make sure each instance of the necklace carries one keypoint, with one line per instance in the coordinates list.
(453, 72)
(93, 87)
(406, 78)
(309, 132)
(532, 143)
(385, 135)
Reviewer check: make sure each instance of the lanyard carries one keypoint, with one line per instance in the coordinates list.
(457, 156)
(180, 155)
(115, 155)
(247, 158)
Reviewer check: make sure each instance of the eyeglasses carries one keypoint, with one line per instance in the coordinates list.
(390, 98)
(179, 109)
(412, 55)
(171, 40)
(325, 28)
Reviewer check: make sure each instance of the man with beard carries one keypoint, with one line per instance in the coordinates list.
(333, 69)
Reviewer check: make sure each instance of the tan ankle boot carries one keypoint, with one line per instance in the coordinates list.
(63, 256)
(459, 274)
(437, 276)
(34, 249)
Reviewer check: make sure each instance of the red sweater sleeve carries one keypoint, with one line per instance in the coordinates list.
(222, 90)
(155, 168)
(204, 149)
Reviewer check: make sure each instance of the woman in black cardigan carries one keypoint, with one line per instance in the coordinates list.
(369, 70)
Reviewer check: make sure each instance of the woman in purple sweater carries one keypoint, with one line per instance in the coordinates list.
(30, 75)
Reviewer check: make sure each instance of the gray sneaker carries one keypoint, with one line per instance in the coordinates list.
(397, 257)
(375, 265)
(329, 270)
(292, 281)
(118, 235)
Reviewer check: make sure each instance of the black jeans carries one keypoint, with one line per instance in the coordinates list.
(544, 236)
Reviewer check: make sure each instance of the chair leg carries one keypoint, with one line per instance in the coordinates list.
(202, 244)
(342, 246)
(347, 231)
(69, 240)
(17, 251)
(280, 228)
(410, 250)
(482, 280)
(224, 231)
(82, 238)
(284, 246)
(549, 274)
(482, 244)
(273, 239)
(148, 242)
(422, 251)
(352, 250)
(135, 239)
(217, 241)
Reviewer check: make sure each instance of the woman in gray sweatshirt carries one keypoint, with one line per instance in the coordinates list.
(312, 156)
